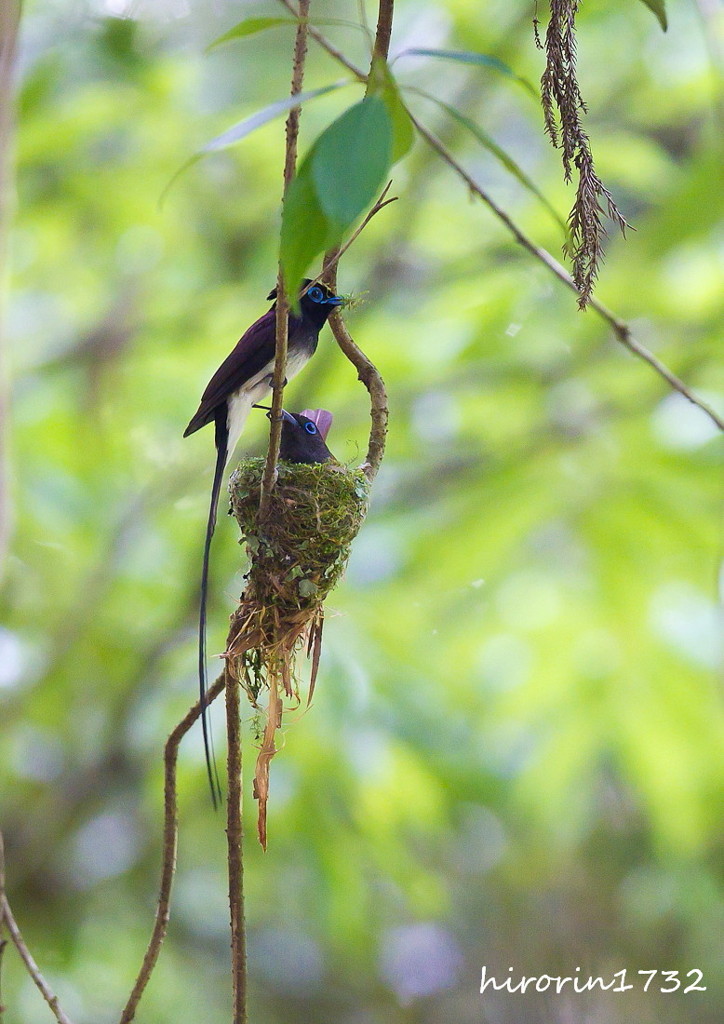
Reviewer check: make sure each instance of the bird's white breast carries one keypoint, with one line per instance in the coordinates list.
(255, 390)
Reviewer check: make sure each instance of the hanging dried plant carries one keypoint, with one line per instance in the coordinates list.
(563, 106)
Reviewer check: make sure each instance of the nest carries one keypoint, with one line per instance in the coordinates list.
(297, 554)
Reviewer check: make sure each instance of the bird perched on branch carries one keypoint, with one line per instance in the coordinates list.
(245, 378)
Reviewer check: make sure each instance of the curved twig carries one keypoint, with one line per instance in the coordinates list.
(367, 372)
(170, 838)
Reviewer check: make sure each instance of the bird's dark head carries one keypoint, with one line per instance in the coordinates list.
(316, 301)
(304, 434)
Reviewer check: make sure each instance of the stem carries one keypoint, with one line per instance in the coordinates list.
(384, 30)
(282, 303)
(170, 839)
(235, 842)
(6, 918)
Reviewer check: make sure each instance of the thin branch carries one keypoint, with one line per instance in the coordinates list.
(235, 843)
(381, 203)
(282, 300)
(6, 917)
(170, 840)
(30, 964)
(383, 34)
(621, 330)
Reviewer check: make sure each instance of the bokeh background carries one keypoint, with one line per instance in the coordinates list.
(514, 755)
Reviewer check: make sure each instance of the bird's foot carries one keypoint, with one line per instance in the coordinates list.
(269, 381)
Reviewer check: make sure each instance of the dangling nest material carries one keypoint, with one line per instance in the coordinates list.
(297, 555)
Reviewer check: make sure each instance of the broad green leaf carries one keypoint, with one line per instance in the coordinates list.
(382, 83)
(239, 131)
(659, 9)
(499, 153)
(337, 179)
(470, 57)
(251, 26)
(351, 158)
(306, 230)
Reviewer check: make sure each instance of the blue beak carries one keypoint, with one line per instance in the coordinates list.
(335, 300)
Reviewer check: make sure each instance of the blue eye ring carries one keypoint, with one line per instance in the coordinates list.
(316, 294)
(310, 427)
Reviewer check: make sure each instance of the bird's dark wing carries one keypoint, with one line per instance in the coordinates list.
(250, 355)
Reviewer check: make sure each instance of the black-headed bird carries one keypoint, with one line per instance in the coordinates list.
(304, 435)
(245, 378)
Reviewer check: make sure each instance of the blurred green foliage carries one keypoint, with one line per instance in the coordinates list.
(514, 756)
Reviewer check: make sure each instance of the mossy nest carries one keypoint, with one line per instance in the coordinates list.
(299, 552)
(296, 556)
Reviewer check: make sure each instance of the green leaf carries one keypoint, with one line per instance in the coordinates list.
(499, 153)
(470, 57)
(351, 158)
(243, 128)
(306, 230)
(307, 588)
(251, 26)
(337, 179)
(382, 83)
(659, 9)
